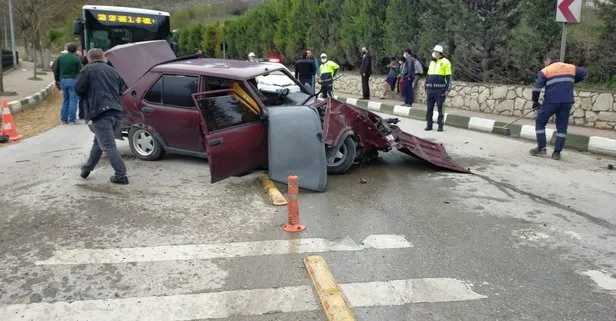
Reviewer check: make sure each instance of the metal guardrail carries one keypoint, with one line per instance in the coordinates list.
(7, 59)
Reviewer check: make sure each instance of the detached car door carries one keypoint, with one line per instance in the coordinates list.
(234, 130)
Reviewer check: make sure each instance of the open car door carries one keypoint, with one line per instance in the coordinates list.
(234, 132)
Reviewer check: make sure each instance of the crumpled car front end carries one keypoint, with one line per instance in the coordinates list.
(376, 134)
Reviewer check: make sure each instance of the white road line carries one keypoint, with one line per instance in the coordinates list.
(221, 250)
(241, 302)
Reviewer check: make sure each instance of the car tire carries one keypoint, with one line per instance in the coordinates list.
(144, 145)
(344, 158)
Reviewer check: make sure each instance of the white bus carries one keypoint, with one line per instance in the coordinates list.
(107, 26)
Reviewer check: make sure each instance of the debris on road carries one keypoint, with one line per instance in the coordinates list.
(610, 166)
(363, 180)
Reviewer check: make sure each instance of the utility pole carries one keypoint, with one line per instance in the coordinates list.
(5, 32)
(13, 47)
(563, 42)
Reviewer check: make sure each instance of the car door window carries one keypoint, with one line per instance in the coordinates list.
(155, 94)
(223, 109)
(178, 90)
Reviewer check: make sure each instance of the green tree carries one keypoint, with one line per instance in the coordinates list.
(531, 39)
(401, 27)
(603, 66)
(349, 33)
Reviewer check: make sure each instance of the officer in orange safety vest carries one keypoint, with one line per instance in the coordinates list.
(558, 79)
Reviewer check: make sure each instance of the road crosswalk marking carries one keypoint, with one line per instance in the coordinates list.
(222, 250)
(241, 302)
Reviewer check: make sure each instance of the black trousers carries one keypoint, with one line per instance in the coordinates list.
(365, 85)
(435, 96)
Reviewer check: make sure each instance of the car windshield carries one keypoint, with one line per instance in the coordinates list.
(277, 88)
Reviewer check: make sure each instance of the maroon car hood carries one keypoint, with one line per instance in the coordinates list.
(433, 153)
(133, 60)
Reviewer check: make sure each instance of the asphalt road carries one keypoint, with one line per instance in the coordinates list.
(522, 239)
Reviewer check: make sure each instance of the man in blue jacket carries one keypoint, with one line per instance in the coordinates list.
(558, 79)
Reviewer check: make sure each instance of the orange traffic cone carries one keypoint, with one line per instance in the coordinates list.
(294, 224)
(8, 125)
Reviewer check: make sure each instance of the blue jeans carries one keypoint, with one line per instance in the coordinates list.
(546, 111)
(104, 141)
(69, 105)
(408, 91)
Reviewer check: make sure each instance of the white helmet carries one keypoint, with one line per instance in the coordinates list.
(323, 55)
(252, 54)
(438, 48)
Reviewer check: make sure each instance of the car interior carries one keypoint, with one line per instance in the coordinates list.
(227, 104)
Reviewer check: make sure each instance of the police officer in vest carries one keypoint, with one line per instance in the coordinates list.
(328, 70)
(438, 84)
(558, 79)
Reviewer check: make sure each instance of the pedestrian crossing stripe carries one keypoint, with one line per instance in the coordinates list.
(222, 250)
(234, 303)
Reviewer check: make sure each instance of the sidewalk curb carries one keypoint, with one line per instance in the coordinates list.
(593, 144)
(17, 106)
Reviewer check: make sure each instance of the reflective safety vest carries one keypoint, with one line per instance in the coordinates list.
(558, 79)
(439, 74)
(328, 69)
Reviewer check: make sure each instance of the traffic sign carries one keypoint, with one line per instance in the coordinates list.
(569, 11)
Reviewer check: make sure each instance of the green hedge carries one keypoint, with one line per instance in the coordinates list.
(487, 41)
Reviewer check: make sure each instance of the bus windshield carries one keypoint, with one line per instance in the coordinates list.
(108, 28)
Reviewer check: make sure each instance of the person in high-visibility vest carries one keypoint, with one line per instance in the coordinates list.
(558, 79)
(327, 70)
(438, 84)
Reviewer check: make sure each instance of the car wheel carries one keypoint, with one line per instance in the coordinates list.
(342, 161)
(144, 145)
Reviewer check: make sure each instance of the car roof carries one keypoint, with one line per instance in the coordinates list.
(224, 68)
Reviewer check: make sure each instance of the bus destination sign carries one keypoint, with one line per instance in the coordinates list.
(125, 19)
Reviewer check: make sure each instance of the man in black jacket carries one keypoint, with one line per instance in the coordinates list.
(305, 70)
(101, 86)
(366, 70)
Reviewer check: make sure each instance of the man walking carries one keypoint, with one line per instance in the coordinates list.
(305, 70)
(366, 70)
(558, 79)
(438, 84)
(407, 78)
(66, 68)
(101, 86)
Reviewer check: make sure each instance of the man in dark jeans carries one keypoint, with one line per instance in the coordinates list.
(101, 86)
(305, 70)
(366, 70)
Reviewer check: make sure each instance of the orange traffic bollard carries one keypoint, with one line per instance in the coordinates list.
(293, 225)
(8, 125)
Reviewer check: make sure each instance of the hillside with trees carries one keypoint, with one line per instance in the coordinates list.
(488, 41)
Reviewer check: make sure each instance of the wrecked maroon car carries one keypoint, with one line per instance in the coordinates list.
(244, 115)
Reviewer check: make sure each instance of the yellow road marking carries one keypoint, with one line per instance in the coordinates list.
(327, 289)
(272, 191)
